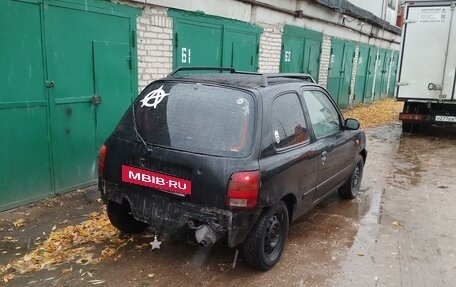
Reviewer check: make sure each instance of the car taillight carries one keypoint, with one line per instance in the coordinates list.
(243, 190)
(101, 160)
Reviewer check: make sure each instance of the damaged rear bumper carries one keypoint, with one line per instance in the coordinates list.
(166, 214)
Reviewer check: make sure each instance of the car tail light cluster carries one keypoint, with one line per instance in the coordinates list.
(101, 160)
(243, 190)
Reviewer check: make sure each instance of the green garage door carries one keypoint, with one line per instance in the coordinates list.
(301, 50)
(201, 40)
(368, 88)
(64, 93)
(24, 148)
(340, 71)
(361, 73)
(93, 87)
(393, 77)
(385, 80)
(381, 73)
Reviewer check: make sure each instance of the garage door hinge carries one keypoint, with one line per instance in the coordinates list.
(133, 39)
(130, 62)
(176, 40)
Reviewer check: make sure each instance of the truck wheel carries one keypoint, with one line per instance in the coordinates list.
(266, 241)
(350, 188)
(122, 219)
(406, 127)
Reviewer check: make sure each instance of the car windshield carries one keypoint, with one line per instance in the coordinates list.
(192, 117)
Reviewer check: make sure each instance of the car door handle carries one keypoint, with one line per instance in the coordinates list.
(324, 156)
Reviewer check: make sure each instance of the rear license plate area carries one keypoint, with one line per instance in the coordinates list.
(156, 180)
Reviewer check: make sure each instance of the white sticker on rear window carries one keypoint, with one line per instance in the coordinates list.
(156, 95)
(277, 137)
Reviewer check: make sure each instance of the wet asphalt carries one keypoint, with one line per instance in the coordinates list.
(400, 231)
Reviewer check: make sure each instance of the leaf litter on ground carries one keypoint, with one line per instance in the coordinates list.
(375, 114)
(74, 243)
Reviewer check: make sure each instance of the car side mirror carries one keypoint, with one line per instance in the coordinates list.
(351, 124)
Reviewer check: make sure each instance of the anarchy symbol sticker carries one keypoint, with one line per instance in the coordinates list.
(156, 96)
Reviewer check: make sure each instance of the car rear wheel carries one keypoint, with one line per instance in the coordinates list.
(351, 187)
(121, 217)
(266, 241)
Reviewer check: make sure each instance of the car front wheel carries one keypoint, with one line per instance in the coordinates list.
(265, 243)
(351, 187)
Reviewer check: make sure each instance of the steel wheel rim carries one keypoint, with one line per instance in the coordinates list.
(356, 178)
(272, 238)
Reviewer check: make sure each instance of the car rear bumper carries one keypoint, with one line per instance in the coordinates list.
(166, 214)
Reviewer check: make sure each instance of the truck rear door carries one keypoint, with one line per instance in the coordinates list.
(426, 38)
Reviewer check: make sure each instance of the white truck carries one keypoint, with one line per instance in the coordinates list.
(427, 64)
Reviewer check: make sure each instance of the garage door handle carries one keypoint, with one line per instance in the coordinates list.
(324, 156)
(96, 100)
(49, 84)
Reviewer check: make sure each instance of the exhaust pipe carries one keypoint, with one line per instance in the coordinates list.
(205, 236)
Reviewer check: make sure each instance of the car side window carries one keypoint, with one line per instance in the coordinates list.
(323, 115)
(289, 126)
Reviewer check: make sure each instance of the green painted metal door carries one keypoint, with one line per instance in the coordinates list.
(393, 78)
(346, 74)
(368, 88)
(361, 73)
(335, 69)
(385, 80)
(240, 50)
(340, 71)
(201, 40)
(24, 148)
(312, 51)
(197, 44)
(78, 64)
(64, 92)
(381, 72)
(113, 85)
(292, 55)
(301, 50)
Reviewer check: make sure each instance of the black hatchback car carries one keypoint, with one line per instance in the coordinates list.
(229, 155)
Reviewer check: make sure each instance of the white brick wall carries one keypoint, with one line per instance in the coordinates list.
(375, 74)
(324, 60)
(155, 45)
(270, 50)
(353, 76)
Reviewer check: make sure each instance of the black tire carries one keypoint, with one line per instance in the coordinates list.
(266, 241)
(122, 219)
(350, 188)
(411, 127)
(406, 127)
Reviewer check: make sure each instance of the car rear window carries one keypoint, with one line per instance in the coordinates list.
(192, 117)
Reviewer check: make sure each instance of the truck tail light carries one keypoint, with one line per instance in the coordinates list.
(411, 117)
(243, 190)
(101, 160)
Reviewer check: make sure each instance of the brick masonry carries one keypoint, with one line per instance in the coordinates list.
(324, 60)
(353, 76)
(270, 50)
(155, 45)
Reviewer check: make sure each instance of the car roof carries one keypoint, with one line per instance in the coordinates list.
(241, 79)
